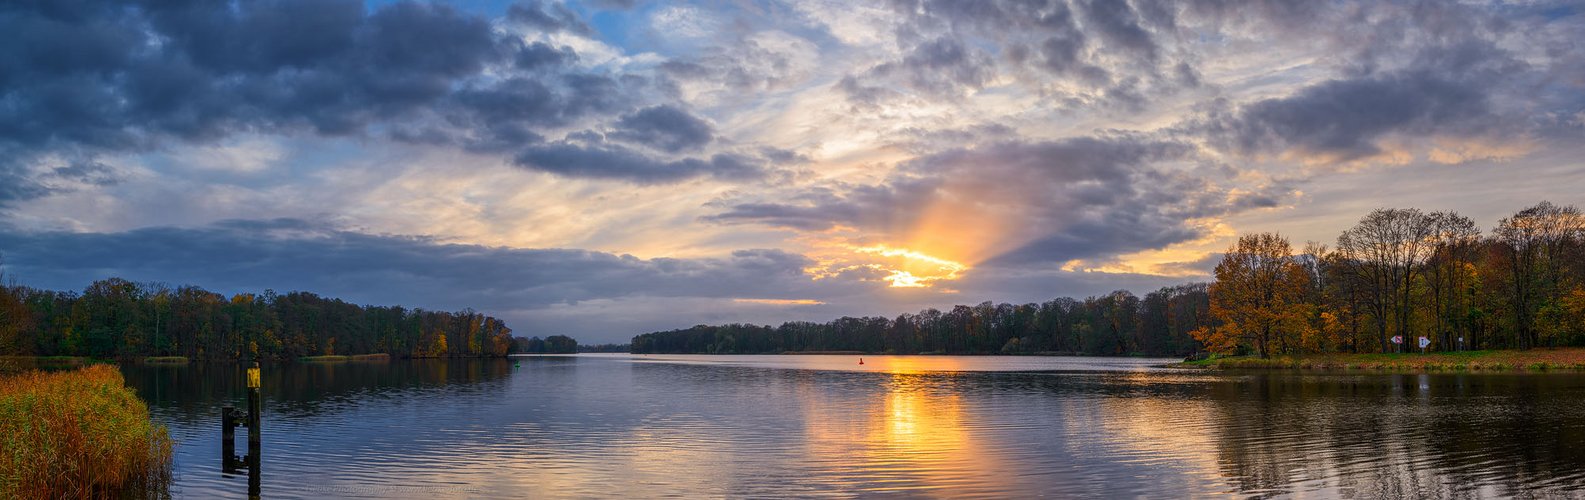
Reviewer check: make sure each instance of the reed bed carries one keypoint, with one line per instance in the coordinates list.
(79, 434)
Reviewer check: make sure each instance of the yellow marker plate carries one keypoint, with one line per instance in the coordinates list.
(253, 378)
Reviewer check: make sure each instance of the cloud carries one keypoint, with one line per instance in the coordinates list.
(16, 186)
(1345, 120)
(1091, 53)
(1014, 136)
(539, 291)
(109, 79)
(293, 254)
(87, 173)
(665, 128)
(242, 156)
(548, 17)
(1458, 92)
(943, 66)
(609, 161)
(1119, 27)
(613, 4)
(541, 55)
(766, 60)
(1020, 202)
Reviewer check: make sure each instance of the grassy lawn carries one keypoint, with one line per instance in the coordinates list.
(1535, 360)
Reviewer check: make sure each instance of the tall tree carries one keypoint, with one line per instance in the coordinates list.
(1258, 297)
(1536, 245)
(1384, 251)
(1454, 238)
(14, 318)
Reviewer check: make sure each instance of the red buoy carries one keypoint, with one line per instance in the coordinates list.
(861, 361)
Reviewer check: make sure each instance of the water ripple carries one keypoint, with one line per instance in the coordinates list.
(905, 426)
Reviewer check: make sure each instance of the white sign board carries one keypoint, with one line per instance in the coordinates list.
(1397, 339)
(1424, 342)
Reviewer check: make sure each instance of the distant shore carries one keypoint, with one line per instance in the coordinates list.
(1062, 354)
(1535, 360)
(356, 357)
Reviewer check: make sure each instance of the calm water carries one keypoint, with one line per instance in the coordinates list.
(934, 426)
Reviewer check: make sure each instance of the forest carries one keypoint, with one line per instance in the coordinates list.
(1118, 323)
(116, 318)
(1398, 274)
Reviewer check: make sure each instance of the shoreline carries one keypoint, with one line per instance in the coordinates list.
(22, 363)
(1042, 354)
(1542, 360)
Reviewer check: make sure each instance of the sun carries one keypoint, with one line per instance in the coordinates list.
(913, 269)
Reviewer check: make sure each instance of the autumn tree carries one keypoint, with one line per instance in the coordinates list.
(1536, 246)
(1258, 298)
(1454, 239)
(14, 318)
(1384, 252)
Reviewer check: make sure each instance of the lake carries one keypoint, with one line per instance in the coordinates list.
(909, 426)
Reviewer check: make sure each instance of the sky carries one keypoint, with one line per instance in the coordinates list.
(605, 168)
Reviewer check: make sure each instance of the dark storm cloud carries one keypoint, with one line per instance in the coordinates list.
(1081, 198)
(289, 254)
(666, 128)
(89, 78)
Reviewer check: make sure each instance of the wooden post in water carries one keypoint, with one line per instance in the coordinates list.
(228, 439)
(254, 409)
(230, 418)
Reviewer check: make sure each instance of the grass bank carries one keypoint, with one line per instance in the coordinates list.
(79, 434)
(1535, 360)
(359, 357)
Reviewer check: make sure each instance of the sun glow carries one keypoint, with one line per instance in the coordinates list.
(917, 269)
(780, 302)
(902, 267)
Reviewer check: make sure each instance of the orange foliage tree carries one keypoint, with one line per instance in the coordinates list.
(1258, 299)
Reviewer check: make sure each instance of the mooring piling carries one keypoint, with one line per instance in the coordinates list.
(230, 418)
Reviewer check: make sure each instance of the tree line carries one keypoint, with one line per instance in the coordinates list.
(554, 344)
(1118, 323)
(1398, 273)
(116, 318)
